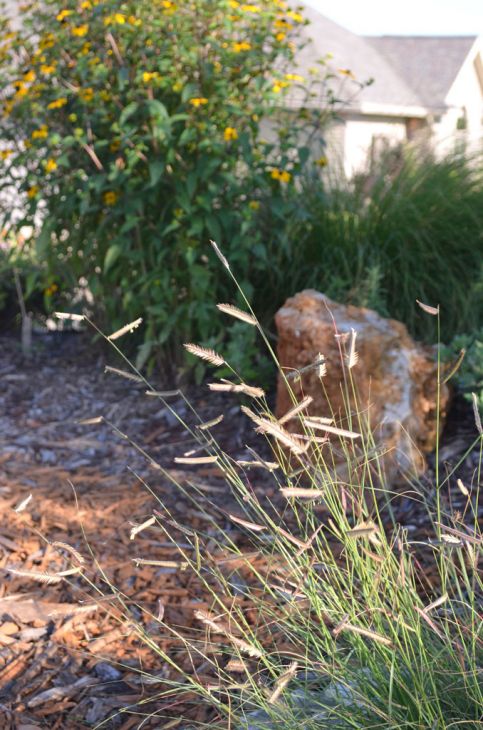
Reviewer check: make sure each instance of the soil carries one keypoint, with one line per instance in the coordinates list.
(67, 659)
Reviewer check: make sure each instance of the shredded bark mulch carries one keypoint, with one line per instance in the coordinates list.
(68, 657)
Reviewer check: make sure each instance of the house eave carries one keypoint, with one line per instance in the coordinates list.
(392, 110)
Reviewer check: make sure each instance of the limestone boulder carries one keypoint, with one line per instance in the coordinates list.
(395, 377)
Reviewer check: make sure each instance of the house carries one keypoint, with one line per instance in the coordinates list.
(423, 88)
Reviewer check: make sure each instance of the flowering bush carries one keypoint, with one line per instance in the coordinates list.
(132, 131)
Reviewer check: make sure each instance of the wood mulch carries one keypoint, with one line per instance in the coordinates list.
(68, 656)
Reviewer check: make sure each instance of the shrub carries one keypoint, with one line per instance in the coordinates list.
(132, 131)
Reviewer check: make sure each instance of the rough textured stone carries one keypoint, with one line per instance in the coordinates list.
(395, 376)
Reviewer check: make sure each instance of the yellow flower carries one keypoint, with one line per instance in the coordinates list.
(254, 204)
(281, 23)
(230, 134)
(5, 154)
(294, 77)
(105, 95)
(177, 86)
(51, 290)
(80, 31)
(251, 9)
(199, 101)
(33, 191)
(280, 37)
(242, 46)
(281, 175)
(346, 72)
(86, 5)
(47, 69)
(234, 4)
(40, 133)
(29, 76)
(47, 41)
(278, 86)
(296, 17)
(58, 103)
(63, 15)
(150, 76)
(110, 197)
(322, 161)
(86, 94)
(132, 20)
(72, 118)
(50, 165)
(22, 91)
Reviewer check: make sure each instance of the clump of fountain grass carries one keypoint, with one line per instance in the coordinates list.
(328, 619)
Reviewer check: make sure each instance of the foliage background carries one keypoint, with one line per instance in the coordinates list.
(133, 133)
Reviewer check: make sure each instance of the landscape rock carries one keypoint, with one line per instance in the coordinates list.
(396, 377)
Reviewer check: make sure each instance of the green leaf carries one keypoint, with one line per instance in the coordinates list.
(128, 112)
(112, 254)
(156, 169)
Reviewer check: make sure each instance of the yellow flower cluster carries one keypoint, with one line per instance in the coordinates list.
(279, 85)
(41, 133)
(50, 165)
(110, 197)
(33, 191)
(80, 31)
(86, 94)
(294, 77)
(150, 76)
(198, 101)
(63, 15)
(230, 134)
(5, 154)
(238, 47)
(57, 103)
(280, 175)
(116, 19)
(51, 290)
(47, 69)
(251, 9)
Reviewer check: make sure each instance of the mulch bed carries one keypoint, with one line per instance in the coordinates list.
(67, 660)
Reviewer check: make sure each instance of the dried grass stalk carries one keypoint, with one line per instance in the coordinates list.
(438, 602)
(124, 330)
(302, 493)
(123, 374)
(353, 357)
(163, 393)
(296, 410)
(282, 682)
(364, 529)
(310, 423)
(210, 424)
(428, 308)
(249, 390)
(318, 364)
(205, 353)
(456, 365)
(269, 465)
(23, 504)
(344, 626)
(48, 578)
(196, 459)
(142, 526)
(476, 412)
(462, 488)
(69, 549)
(244, 523)
(212, 622)
(162, 563)
(69, 315)
(237, 666)
(91, 421)
(278, 432)
(237, 313)
(220, 255)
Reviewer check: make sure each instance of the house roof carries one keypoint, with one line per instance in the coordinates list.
(410, 75)
(428, 64)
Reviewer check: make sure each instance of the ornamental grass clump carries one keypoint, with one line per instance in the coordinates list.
(319, 607)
